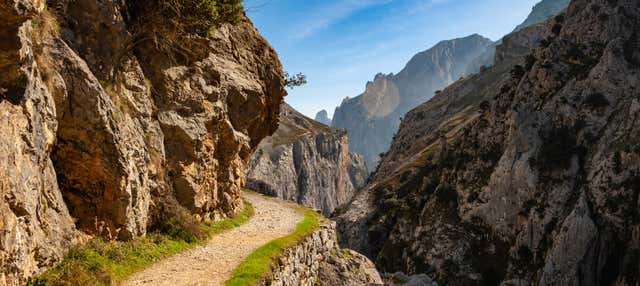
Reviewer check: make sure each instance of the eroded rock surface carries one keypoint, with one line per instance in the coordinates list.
(306, 162)
(106, 131)
(525, 174)
(35, 225)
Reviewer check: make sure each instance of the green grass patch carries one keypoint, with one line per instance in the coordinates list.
(258, 264)
(101, 262)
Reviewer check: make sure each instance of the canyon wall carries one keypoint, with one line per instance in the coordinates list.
(112, 120)
(527, 173)
(306, 162)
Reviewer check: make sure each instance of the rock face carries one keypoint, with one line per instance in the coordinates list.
(525, 174)
(306, 162)
(373, 117)
(318, 260)
(105, 132)
(35, 225)
(323, 117)
(542, 11)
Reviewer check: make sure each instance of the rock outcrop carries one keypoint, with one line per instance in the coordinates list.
(542, 11)
(318, 260)
(525, 174)
(106, 131)
(372, 118)
(307, 162)
(323, 117)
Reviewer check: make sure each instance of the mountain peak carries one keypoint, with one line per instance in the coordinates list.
(323, 117)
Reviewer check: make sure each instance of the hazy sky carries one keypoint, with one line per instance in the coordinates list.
(341, 44)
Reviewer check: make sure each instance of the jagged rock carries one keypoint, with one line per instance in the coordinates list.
(542, 11)
(306, 162)
(318, 260)
(323, 117)
(93, 136)
(519, 43)
(538, 183)
(373, 117)
(35, 225)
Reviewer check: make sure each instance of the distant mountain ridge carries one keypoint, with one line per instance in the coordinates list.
(373, 117)
(323, 117)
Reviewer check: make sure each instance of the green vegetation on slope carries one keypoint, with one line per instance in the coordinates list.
(202, 16)
(102, 262)
(258, 264)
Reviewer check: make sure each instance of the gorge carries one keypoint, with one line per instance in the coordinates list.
(149, 143)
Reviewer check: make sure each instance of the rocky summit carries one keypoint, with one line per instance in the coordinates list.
(372, 118)
(527, 173)
(109, 126)
(307, 162)
(323, 117)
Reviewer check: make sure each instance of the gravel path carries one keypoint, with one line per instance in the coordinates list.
(212, 264)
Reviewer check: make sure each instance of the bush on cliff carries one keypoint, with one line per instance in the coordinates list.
(201, 16)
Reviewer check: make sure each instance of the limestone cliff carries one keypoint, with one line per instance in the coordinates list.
(525, 174)
(372, 118)
(306, 162)
(105, 129)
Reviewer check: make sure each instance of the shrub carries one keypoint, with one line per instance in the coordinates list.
(296, 80)
(164, 18)
(201, 16)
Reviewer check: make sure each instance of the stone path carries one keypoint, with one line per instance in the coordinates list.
(212, 263)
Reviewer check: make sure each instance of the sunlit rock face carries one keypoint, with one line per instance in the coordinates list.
(307, 162)
(373, 117)
(106, 135)
(526, 173)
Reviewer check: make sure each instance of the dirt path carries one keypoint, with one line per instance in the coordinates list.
(212, 263)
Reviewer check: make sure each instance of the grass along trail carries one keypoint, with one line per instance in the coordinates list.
(213, 262)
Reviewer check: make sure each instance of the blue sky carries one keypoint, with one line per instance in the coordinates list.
(341, 44)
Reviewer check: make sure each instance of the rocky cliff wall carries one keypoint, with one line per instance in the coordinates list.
(306, 162)
(540, 13)
(527, 176)
(318, 260)
(106, 131)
